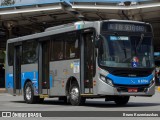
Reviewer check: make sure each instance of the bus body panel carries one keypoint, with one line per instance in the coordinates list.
(62, 71)
(30, 72)
(9, 79)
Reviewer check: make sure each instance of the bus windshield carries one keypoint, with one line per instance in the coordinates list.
(126, 51)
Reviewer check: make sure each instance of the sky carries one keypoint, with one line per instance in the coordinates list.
(49, 1)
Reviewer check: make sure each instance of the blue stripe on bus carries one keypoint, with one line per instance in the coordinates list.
(130, 80)
(51, 79)
(9, 81)
(33, 76)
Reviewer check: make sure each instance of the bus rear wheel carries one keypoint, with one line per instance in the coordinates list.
(121, 100)
(74, 95)
(29, 93)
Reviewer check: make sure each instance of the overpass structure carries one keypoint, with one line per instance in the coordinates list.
(22, 19)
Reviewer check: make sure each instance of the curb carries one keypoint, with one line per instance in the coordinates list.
(3, 90)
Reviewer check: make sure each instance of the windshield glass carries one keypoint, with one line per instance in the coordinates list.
(126, 51)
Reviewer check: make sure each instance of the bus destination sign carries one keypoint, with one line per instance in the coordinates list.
(125, 27)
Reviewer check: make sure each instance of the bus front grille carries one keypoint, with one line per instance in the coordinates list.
(130, 73)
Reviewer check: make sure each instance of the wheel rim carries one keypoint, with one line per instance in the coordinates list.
(74, 93)
(28, 93)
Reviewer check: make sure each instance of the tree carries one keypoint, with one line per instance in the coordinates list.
(7, 2)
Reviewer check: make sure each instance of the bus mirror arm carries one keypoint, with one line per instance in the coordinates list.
(96, 52)
(97, 41)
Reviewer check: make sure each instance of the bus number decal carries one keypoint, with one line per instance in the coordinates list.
(143, 81)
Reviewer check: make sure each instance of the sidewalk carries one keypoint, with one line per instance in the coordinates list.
(2, 90)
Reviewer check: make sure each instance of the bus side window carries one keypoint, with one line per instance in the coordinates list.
(30, 52)
(10, 54)
(57, 48)
(72, 46)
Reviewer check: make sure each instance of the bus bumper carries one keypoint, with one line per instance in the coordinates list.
(106, 89)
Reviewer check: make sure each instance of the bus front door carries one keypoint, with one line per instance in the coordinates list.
(44, 68)
(17, 70)
(88, 62)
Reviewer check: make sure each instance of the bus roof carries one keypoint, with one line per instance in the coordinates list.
(65, 28)
(131, 21)
(67, 25)
(54, 30)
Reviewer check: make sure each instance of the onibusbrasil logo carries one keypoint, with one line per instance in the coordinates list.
(21, 114)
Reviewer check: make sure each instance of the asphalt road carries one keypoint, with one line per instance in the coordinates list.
(8, 102)
(16, 103)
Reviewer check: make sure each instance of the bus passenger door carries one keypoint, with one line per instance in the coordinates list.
(87, 61)
(17, 70)
(44, 82)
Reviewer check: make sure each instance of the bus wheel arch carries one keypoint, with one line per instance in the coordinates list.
(71, 80)
(73, 92)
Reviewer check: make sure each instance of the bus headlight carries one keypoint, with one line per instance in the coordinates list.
(103, 78)
(152, 82)
(109, 82)
(106, 80)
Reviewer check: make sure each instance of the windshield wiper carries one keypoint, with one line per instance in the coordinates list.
(140, 42)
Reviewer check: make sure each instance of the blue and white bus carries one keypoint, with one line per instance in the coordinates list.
(111, 59)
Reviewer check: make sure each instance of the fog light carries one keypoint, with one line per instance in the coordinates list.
(106, 80)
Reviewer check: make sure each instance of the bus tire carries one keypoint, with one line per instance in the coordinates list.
(121, 100)
(29, 94)
(74, 95)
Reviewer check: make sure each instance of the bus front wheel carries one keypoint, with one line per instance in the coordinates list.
(29, 93)
(121, 100)
(75, 98)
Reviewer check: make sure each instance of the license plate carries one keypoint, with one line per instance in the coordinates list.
(132, 90)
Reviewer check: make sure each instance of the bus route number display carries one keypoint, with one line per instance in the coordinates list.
(126, 27)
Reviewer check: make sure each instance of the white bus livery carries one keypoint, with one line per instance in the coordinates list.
(111, 59)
